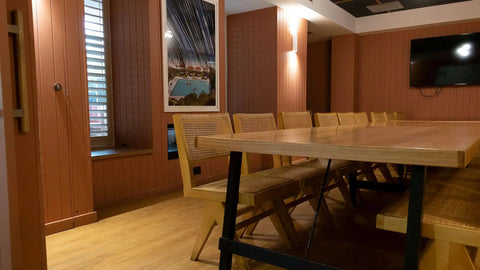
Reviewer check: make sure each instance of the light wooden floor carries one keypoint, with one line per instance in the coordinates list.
(159, 234)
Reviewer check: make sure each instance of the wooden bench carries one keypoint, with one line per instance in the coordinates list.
(450, 222)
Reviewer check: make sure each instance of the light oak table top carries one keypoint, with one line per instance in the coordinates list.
(443, 144)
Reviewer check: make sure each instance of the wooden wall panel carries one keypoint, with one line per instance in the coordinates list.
(131, 84)
(291, 66)
(78, 118)
(252, 61)
(318, 76)
(344, 73)
(383, 82)
(52, 108)
(125, 179)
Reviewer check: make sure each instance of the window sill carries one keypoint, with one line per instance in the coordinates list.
(118, 153)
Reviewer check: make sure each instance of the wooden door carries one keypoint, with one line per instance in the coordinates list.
(21, 152)
(64, 132)
(52, 106)
(5, 246)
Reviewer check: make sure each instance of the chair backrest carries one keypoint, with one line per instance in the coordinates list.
(346, 118)
(399, 115)
(290, 120)
(378, 117)
(390, 116)
(361, 118)
(251, 122)
(187, 128)
(326, 119)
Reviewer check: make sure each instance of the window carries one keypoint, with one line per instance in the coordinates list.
(101, 132)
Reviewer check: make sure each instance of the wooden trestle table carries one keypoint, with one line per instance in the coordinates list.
(417, 143)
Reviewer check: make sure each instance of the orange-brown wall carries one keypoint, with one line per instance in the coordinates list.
(252, 61)
(130, 47)
(318, 76)
(383, 77)
(344, 73)
(263, 74)
(122, 179)
(291, 66)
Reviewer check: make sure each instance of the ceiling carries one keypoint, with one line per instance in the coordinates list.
(328, 18)
(240, 6)
(358, 8)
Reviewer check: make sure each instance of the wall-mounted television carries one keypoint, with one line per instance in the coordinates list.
(445, 61)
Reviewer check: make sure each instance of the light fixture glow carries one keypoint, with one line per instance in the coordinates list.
(169, 34)
(294, 43)
(465, 50)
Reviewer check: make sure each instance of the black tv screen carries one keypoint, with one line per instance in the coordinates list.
(444, 61)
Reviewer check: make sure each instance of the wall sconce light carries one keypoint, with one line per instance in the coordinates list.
(294, 42)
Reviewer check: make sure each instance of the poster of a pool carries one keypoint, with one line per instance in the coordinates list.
(190, 55)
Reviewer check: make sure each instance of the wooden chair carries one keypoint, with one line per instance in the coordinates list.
(389, 116)
(256, 191)
(361, 118)
(451, 220)
(326, 119)
(399, 116)
(339, 168)
(346, 119)
(377, 117)
(306, 177)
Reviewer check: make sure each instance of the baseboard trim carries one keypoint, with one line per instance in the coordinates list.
(70, 223)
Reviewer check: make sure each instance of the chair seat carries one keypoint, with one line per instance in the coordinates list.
(322, 164)
(296, 173)
(253, 188)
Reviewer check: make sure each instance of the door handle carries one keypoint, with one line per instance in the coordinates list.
(17, 30)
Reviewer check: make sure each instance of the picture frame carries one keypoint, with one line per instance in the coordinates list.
(190, 46)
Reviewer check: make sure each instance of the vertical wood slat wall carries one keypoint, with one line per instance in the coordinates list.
(263, 74)
(131, 85)
(291, 66)
(63, 115)
(122, 179)
(383, 77)
(318, 76)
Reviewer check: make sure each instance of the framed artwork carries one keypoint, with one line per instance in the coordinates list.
(190, 55)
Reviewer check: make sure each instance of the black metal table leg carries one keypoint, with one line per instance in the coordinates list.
(231, 203)
(352, 184)
(414, 217)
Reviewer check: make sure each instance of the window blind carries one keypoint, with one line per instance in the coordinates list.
(96, 68)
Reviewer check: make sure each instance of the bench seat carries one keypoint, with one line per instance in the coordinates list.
(451, 218)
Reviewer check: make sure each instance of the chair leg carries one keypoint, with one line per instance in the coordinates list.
(283, 223)
(206, 227)
(291, 199)
(323, 206)
(442, 255)
(370, 175)
(250, 228)
(385, 172)
(218, 212)
(343, 190)
(477, 259)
